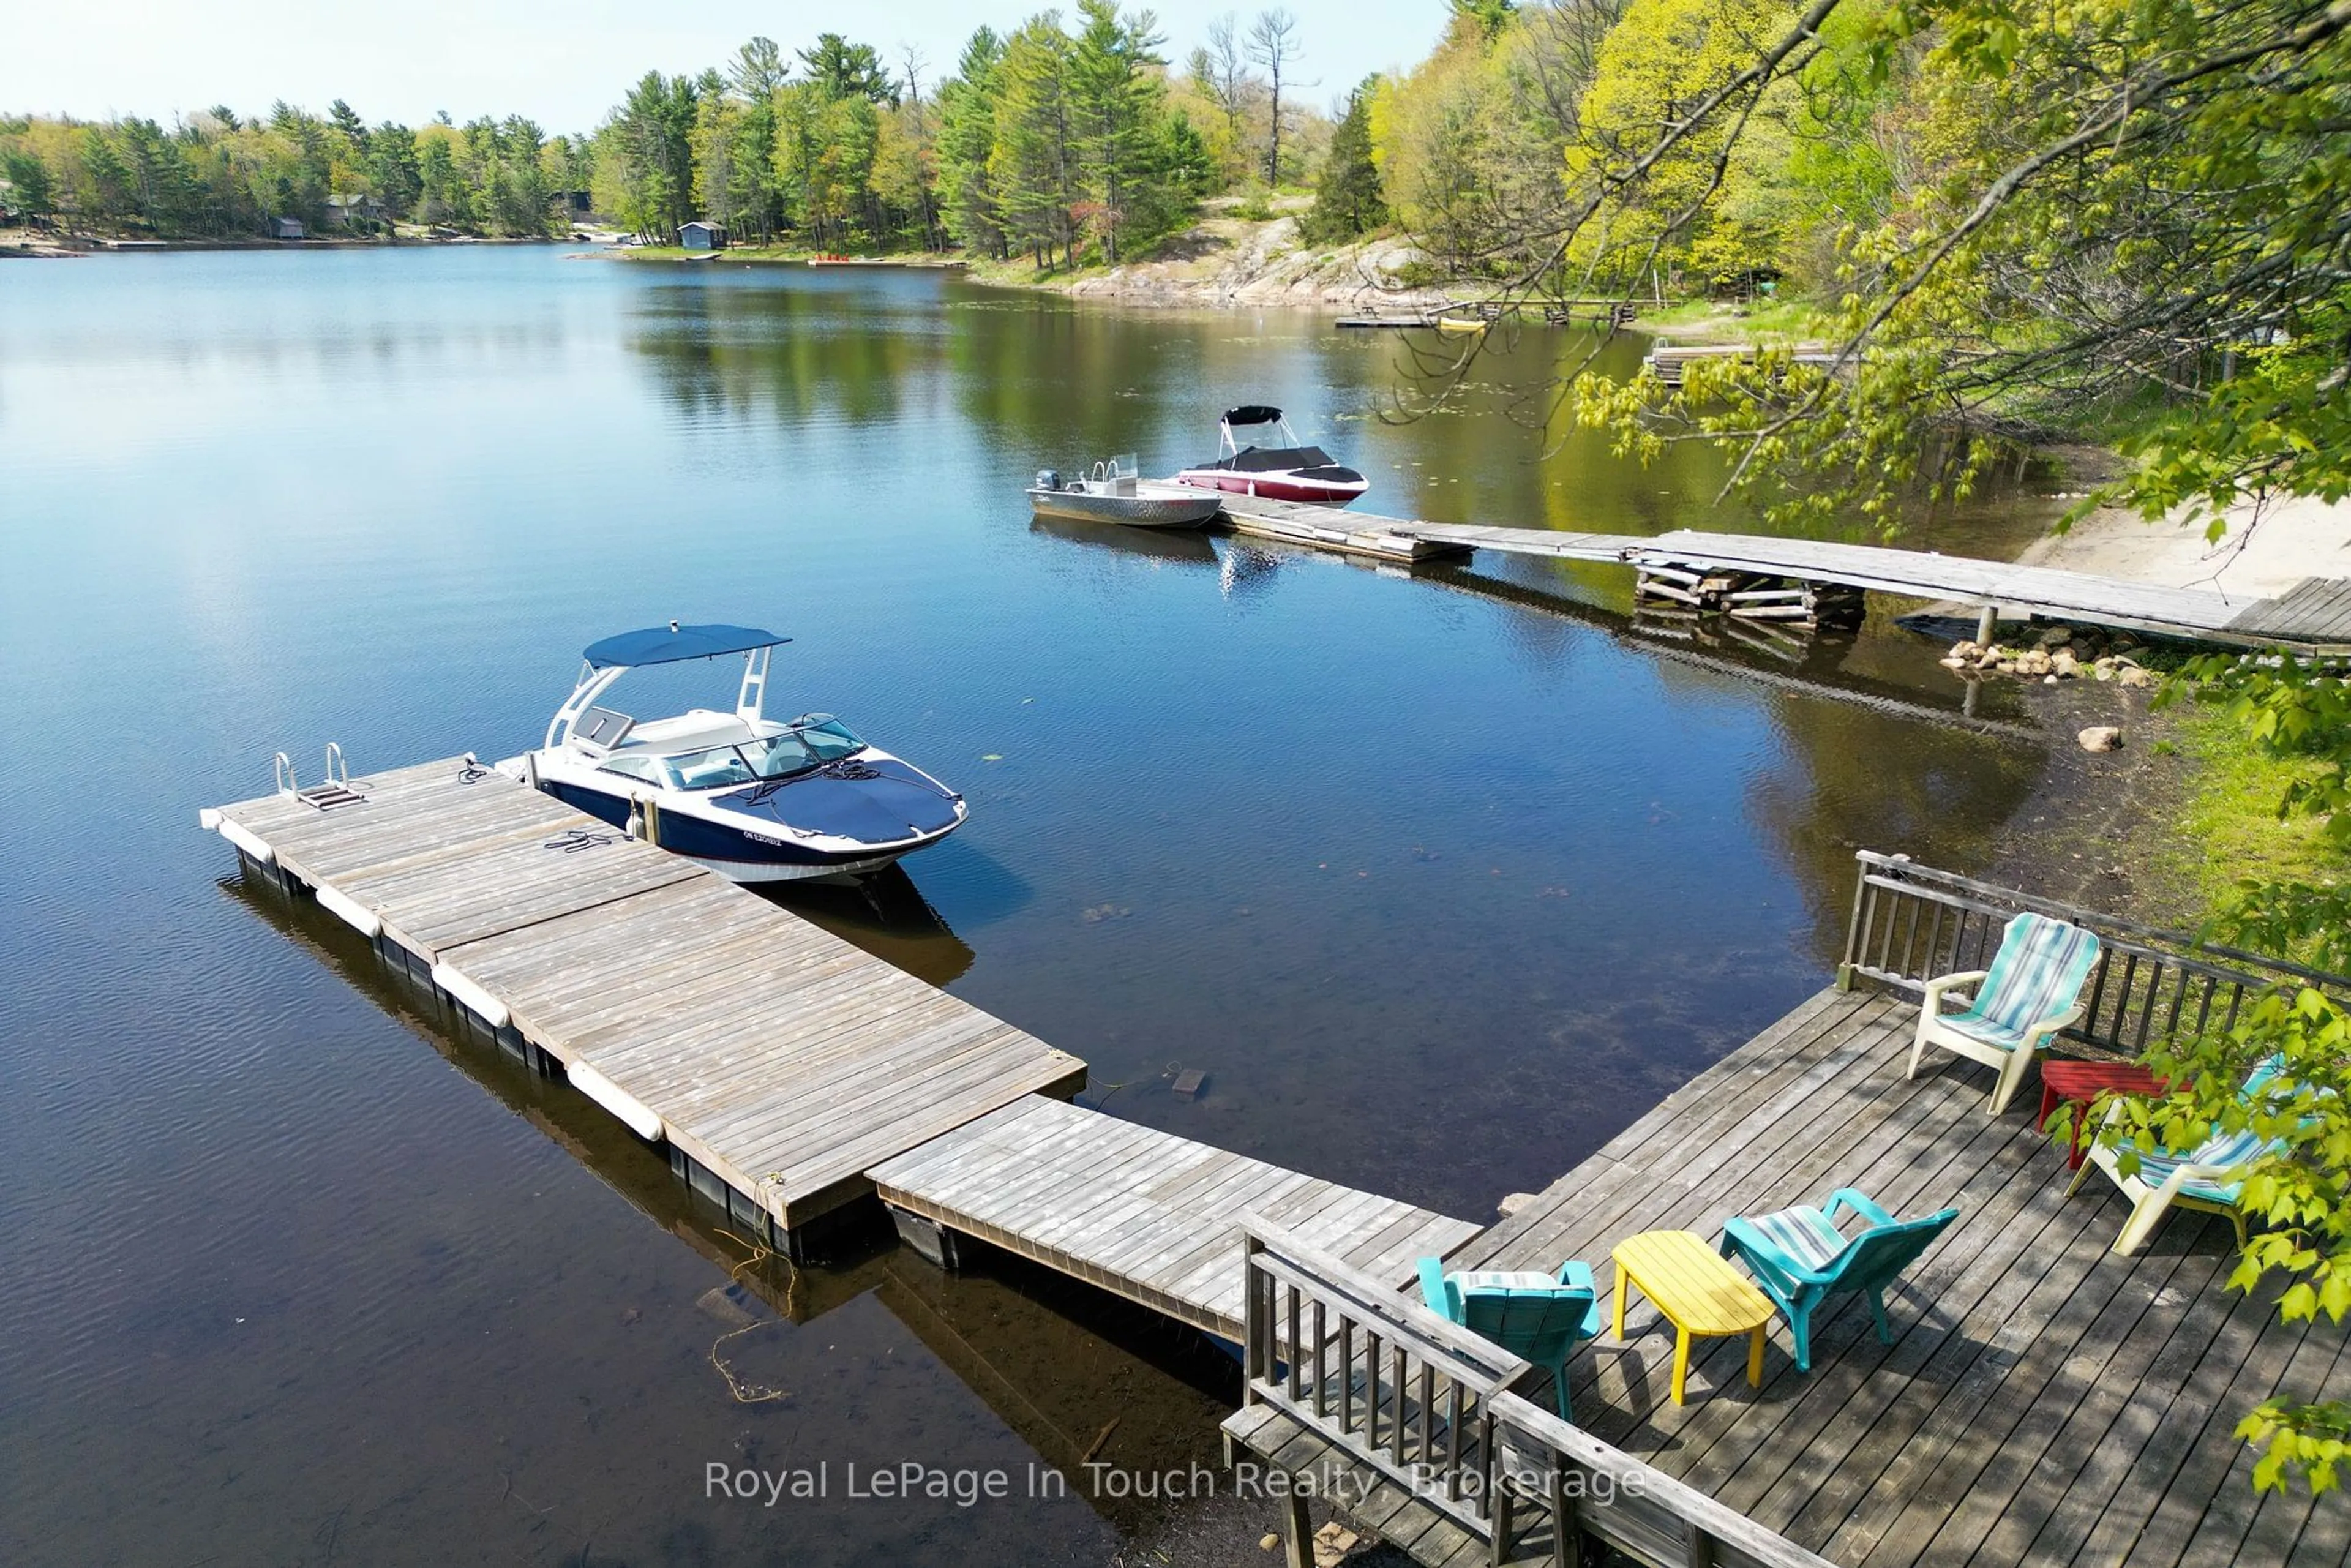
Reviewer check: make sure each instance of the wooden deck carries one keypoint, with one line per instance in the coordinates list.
(2045, 1401)
(782, 1059)
(1144, 1214)
(2314, 614)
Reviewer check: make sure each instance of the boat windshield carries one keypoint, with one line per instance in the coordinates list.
(810, 743)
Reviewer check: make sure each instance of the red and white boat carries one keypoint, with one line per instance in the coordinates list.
(1285, 470)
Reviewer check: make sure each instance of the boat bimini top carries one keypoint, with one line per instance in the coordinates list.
(1244, 428)
(600, 730)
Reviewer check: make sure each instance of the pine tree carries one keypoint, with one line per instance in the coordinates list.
(1348, 200)
(1114, 107)
(1030, 163)
(966, 138)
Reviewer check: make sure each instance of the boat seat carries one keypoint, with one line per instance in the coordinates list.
(689, 732)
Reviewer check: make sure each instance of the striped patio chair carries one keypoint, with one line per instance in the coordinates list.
(2209, 1178)
(2033, 989)
(1801, 1258)
(1539, 1318)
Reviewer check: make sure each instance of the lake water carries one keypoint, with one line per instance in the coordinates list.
(1441, 878)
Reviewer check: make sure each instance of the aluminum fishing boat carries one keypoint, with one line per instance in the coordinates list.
(1115, 492)
(1285, 470)
(751, 798)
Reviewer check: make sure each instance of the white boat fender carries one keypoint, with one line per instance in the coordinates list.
(613, 1098)
(454, 981)
(255, 849)
(351, 912)
(208, 819)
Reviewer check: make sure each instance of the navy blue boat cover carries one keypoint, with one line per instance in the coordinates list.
(878, 803)
(668, 644)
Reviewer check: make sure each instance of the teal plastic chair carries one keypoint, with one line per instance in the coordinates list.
(1539, 1318)
(1801, 1258)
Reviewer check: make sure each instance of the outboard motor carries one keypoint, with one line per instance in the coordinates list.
(1048, 479)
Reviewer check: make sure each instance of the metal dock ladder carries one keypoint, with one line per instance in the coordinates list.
(333, 791)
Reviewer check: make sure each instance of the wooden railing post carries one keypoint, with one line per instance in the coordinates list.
(1566, 1534)
(1253, 1357)
(1844, 975)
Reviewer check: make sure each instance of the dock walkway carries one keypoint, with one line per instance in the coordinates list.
(781, 1058)
(2315, 614)
(2044, 1402)
(792, 1071)
(1144, 1214)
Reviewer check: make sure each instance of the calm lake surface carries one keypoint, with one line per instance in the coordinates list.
(1442, 879)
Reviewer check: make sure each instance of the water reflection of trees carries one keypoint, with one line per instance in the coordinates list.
(789, 350)
(1050, 381)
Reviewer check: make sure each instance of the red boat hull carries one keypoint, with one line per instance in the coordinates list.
(1273, 487)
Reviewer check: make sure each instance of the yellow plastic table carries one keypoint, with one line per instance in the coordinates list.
(1697, 1291)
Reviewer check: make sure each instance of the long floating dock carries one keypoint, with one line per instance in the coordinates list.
(789, 1073)
(1144, 1214)
(779, 1059)
(2314, 614)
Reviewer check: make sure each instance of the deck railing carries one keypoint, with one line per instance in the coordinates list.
(1430, 1405)
(1911, 923)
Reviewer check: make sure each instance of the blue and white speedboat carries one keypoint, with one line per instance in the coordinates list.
(751, 798)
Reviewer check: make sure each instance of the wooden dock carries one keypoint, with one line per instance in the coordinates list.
(1332, 529)
(1144, 1214)
(1669, 361)
(778, 1060)
(2314, 615)
(1555, 313)
(2045, 1401)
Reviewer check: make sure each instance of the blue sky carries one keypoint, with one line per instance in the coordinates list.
(562, 62)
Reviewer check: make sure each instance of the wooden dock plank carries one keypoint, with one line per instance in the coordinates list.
(1143, 1213)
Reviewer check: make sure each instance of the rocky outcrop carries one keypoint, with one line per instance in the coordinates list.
(1228, 261)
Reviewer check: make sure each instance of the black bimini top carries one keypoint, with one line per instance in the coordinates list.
(1253, 413)
(668, 644)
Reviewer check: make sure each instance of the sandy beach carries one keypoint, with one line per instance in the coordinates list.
(2265, 550)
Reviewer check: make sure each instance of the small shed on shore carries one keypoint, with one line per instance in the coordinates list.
(285, 229)
(700, 235)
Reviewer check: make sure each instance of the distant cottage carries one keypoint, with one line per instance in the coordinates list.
(699, 235)
(285, 229)
(348, 207)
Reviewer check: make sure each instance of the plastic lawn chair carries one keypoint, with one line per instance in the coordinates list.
(1801, 1258)
(1539, 1318)
(2208, 1177)
(2032, 991)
